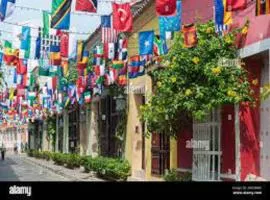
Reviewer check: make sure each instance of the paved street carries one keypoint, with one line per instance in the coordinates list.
(16, 168)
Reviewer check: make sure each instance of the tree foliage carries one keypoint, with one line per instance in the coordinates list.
(192, 82)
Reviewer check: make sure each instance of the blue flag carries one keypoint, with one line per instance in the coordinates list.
(38, 46)
(1, 58)
(170, 23)
(106, 21)
(25, 40)
(6, 8)
(146, 42)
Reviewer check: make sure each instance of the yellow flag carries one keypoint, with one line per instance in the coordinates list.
(227, 15)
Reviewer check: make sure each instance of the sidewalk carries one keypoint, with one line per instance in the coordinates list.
(77, 174)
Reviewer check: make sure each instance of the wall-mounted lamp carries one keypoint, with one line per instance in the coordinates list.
(103, 117)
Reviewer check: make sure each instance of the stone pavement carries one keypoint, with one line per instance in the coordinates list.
(15, 168)
(77, 174)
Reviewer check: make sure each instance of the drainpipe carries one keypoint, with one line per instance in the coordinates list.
(237, 144)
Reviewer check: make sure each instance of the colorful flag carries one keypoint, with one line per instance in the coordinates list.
(6, 8)
(223, 18)
(262, 7)
(64, 42)
(86, 5)
(111, 51)
(122, 48)
(165, 7)
(122, 17)
(190, 35)
(146, 42)
(53, 70)
(233, 5)
(22, 66)
(80, 48)
(46, 23)
(61, 14)
(64, 64)
(38, 47)
(98, 55)
(10, 55)
(82, 64)
(109, 34)
(44, 70)
(118, 64)
(55, 56)
(136, 67)
(122, 80)
(25, 38)
(160, 47)
(168, 24)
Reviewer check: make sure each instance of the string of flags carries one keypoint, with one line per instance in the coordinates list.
(105, 64)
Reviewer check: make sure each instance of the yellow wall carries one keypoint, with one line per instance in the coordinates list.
(133, 153)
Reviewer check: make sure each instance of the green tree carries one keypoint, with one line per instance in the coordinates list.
(192, 82)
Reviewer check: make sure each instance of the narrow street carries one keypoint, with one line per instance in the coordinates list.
(16, 168)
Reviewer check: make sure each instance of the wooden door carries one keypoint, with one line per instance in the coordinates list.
(160, 154)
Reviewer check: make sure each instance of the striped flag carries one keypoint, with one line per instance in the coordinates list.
(7, 8)
(262, 7)
(109, 34)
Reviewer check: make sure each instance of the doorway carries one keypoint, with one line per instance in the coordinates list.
(160, 153)
(206, 148)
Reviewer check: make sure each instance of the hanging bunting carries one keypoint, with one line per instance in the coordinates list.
(64, 42)
(55, 55)
(25, 38)
(234, 5)
(7, 8)
(86, 5)
(109, 34)
(22, 66)
(61, 14)
(136, 67)
(222, 17)
(262, 7)
(170, 24)
(38, 47)
(160, 47)
(146, 42)
(165, 7)
(122, 17)
(10, 55)
(190, 35)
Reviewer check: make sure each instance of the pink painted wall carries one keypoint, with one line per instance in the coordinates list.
(259, 25)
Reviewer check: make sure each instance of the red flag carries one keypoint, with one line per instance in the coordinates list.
(64, 40)
(233, 5)
(21, 66)
(86, 5)
(122, 17)
(190, 35)
(165, 7)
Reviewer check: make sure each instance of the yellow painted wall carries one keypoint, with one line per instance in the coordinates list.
(133, 152)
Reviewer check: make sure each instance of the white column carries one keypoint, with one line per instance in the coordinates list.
(237, 144)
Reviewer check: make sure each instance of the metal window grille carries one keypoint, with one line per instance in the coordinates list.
(206, 161)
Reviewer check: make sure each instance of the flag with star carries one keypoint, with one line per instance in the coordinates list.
(146, 42)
